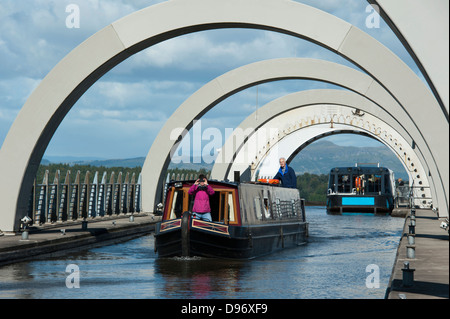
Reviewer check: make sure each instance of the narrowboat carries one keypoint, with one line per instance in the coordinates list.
(248, 220)
(361, 189)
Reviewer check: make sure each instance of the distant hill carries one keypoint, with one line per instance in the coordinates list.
(128, 162)
(318, 158)
(69, 159)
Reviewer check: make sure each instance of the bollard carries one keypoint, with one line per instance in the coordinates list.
(131, 218)
(413, 212)
(410, 251)
(412, 229)
(408, 275)
(84, 225)
(25, 234)
(411, 239)
(412, 220)
(26, 221)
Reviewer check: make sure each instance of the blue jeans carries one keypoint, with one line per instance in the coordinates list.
(202, 216)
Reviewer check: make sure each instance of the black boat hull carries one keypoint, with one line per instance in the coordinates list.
(190, 237)
(338, 203)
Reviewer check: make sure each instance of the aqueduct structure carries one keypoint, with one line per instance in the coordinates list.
(303, 117)
(396, 102)
(265, 71)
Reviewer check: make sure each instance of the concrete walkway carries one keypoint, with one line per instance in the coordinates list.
(60, 238)
(431, 262)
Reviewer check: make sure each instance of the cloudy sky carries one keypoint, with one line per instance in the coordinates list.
(121, 114)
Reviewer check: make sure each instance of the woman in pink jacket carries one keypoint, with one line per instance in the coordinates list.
(202, 190)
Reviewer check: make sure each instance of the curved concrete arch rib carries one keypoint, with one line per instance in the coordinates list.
(294, 106)
(261, 118)
(299, 139)
(322, 109)
(215, 91)
(47, 106)
(426, 40)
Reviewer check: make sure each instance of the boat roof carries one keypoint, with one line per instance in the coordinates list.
(192, 181)
(219, 182)
(360, 169)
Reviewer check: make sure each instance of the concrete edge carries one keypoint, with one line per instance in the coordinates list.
(93, 238)
(389, 287)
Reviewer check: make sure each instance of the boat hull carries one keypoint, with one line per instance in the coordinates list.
(191, 237)
(339, 203)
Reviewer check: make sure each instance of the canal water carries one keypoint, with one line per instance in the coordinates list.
(347, 256)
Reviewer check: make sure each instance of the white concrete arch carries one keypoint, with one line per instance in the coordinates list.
(426, 39)
(313, 133)
(290, 144)
(307, 109)
(333, 98)
(44, 110)
(215, 91)
(287, 123)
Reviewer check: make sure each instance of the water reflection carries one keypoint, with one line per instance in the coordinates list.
(331, 265)
(200, 277)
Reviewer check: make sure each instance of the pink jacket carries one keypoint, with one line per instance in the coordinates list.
(201, 202)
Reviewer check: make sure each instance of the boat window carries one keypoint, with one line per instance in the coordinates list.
(177, 205)
(372, 184)
(258, 208)
(344, 183)
(222, 207)
(221, 203)
(191, 200)
(266, 206)
(387, 183)
(216, 204)
(295, 209)
(278, 208)
(286, 209)
(332, 183)
(231, 216)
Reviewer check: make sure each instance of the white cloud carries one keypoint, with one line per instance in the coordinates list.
(15, 91)
(36, 36)
(137, 96)
(220, 50)
(159, 98)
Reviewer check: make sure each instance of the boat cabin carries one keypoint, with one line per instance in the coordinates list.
(238, 203)
(373, 180)
(360, 189)
(248, 220)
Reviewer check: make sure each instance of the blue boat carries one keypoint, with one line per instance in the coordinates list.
(362, 189)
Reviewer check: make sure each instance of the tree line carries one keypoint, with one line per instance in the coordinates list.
(313, 188)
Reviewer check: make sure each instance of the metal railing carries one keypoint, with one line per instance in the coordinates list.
(72, 200)
(413, 196)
